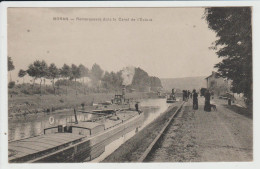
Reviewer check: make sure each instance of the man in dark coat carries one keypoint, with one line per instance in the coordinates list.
(183, 95)
(186, 94)
(195, 100)
(207, 106)
(136, 106)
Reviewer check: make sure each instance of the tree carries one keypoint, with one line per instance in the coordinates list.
(32, 71)
(106, 80)
(11, 84)
(43, 72)
(22, 73)
(234, 31)
(155, 82)
(75, 74)
(96, 73)
(141, 79)
(38, 70)
(83, 71)
(112, 80)
(117, 79)
(65, 72)
(10, 66)
(53, 73)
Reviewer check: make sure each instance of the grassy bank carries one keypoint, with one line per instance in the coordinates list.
(33, 104)
(133, 148)
(248, 112)
(245, 111)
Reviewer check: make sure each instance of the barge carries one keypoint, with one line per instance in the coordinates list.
(75, 142)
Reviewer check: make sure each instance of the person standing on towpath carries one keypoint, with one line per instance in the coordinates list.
(195, 100)
(136, 106)
(183, 95)
(207, 106)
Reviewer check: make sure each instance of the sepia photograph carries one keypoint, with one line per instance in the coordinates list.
(130, 84)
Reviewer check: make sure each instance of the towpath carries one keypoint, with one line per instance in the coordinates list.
(222, 135)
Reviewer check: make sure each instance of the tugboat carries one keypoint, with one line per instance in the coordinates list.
(171, 98)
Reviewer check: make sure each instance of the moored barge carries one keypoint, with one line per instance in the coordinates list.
(76, 142)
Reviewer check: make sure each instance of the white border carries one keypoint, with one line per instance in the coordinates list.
(3, 83)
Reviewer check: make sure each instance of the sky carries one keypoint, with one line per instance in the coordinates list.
(173, 43)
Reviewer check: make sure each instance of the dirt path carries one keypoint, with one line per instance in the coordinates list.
(221, 135)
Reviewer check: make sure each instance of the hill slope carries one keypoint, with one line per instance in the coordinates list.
(186, 83)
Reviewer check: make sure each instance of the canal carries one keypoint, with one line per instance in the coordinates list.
(34, 125)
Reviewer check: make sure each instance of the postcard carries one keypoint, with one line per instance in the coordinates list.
(143, 83)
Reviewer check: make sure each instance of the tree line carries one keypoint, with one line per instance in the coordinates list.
(73, 75)
(42, 71)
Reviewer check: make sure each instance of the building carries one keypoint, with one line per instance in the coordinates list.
(218, 85)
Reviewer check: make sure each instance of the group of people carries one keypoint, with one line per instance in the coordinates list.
(186, 95)
(194, 95)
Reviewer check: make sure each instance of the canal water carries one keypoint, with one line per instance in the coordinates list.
(34, 125)
(152, 108)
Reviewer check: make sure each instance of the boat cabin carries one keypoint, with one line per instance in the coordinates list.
(82, 128)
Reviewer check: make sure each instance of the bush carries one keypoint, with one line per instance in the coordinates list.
(29, 90)
(13, 92)
(48, 90)
(11, 84)
(64, 82)
(26, 91)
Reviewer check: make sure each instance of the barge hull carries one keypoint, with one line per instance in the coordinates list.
(88, 148)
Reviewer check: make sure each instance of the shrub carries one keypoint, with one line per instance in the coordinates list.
(11, 84)
(26, 91)
(13, 92)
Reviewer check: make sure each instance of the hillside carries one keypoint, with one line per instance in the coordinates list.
(186, 83)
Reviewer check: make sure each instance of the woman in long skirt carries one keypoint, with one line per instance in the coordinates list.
(195, 100)
(207, 106)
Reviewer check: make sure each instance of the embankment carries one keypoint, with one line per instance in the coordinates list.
(35, 104)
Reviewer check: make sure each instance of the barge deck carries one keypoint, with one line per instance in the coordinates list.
(53, 143)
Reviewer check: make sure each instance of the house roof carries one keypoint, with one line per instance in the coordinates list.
(208, 76)
(213, 73)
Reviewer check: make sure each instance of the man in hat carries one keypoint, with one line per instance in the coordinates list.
(136, 106)
(195, 100)
(207, 106)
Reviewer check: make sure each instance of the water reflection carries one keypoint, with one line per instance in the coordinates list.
(32, 126)
(152, 109)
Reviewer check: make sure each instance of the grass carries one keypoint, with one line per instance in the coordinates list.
(247, 112)
(33, 104)
(24, 99)
(133, 148)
